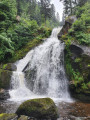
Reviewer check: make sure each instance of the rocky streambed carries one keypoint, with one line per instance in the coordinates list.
(67, 111)
(74, 111)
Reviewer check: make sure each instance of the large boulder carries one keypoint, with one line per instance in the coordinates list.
(43, 108)
(5, 116)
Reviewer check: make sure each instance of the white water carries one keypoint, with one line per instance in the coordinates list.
(48, 77)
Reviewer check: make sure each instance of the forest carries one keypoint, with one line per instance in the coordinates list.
(21, 22)
(80, 30)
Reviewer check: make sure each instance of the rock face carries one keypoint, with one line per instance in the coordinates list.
(80, 63)
(43, 108)
(68, 23)
(5, 116)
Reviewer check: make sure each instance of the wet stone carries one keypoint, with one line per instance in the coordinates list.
(4, 94)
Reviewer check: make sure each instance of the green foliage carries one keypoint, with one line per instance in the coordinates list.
(80, 30)
(84, 86)
(23, 32)
(6, 47)
(14, 33)
(3, 16)
(77, 60)
(7, 14)
(79, 25)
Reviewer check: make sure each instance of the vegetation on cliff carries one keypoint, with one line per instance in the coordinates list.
(80, 30)
(22, 22)
(78, 64)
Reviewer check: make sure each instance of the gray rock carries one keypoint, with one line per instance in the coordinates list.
(23, 117)
(4, 94)
(68, 23)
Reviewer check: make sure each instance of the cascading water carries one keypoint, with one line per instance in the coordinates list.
(44, 75)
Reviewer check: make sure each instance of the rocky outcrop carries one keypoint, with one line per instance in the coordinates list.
(85, 49)
(68, 23)
(43, 108)
(78, 70)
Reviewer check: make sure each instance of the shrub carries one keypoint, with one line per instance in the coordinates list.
(6, 47)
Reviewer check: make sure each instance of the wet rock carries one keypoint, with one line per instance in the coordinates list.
(2, 110)
(9, 66)
(23, 117)
(5, 116)
(68, 23)
(76, 50)
(74, 111)
(86, 49)
(43, 108)
(5, 78)
(5, 75)
(4, 95)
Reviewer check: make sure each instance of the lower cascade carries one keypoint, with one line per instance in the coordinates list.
(41, 72)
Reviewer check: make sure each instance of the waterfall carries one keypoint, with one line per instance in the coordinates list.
(44, 75)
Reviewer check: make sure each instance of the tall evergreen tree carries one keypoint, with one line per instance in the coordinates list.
(45, 8)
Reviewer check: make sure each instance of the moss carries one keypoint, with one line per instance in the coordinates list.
(38, 108)
(5, 116)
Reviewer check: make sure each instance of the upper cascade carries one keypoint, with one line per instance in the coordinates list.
(44, 75)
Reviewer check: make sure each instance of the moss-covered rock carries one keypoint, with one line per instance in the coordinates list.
(5, 74)
(23, 117)
(9, 66)
(43, 108)
(68, 23)
(5, 116)
(5, 77)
